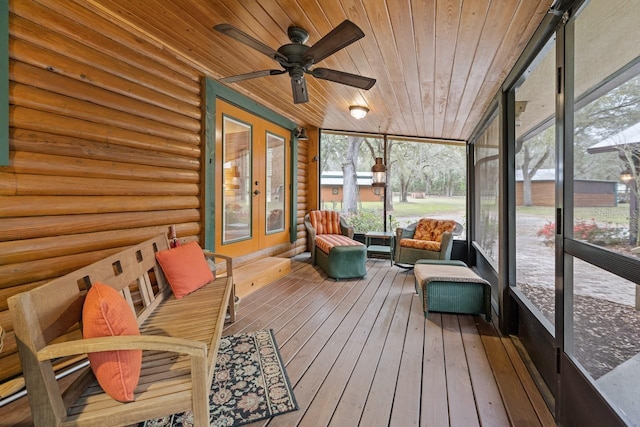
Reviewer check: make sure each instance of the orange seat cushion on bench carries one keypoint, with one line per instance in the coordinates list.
(325, 242)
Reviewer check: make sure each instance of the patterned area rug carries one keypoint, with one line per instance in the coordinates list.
(249, 384)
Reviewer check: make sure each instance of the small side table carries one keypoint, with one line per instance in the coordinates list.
(380, 250)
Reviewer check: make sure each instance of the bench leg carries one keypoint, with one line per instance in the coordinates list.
(200, 392)
(232, 304)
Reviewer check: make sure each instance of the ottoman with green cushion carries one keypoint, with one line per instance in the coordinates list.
(343, 262)
(451, 287)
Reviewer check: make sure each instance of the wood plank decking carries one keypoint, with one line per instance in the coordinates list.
(360, 353)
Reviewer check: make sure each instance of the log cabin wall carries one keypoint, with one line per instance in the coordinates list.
(105, 148)
(303, 191)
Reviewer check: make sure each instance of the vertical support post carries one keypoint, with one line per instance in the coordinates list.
(384, 189)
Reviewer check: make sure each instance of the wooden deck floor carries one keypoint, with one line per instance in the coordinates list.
(360, 353)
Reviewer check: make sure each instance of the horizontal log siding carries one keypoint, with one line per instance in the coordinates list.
(105, 147)
(301, 196)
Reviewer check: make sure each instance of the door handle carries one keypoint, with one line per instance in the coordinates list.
(256, 192)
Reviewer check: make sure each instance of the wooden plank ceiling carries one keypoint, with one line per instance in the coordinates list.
(438, 63)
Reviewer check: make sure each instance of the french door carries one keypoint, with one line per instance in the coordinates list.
(252, 164)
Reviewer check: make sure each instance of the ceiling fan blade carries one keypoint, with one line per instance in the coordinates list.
(245, 38)
(299, 89)
(338, 38)
(252, 75)
(349, 79)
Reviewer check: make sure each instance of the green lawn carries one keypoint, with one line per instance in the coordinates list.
(616, 215)
(456, 206)
(418, 207)
(405, 213)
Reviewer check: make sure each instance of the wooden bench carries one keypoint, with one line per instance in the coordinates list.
(181, 337)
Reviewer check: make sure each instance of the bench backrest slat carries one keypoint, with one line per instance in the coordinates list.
(58, 304)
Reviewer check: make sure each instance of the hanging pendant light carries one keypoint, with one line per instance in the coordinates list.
(379, 173)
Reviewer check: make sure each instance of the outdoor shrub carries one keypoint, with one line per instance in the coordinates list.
(366, 220)
(592, 232)
(547, 233)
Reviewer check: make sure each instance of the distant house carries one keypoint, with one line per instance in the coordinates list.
(331, 183)
(587, 192)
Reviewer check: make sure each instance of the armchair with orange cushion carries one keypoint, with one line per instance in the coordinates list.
(426, 239)
(330, 241)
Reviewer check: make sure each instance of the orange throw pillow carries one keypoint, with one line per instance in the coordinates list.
(185, 268)
(105, 313)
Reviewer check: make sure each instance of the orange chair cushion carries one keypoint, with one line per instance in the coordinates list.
(327, 241)
(325, 222)
(432, 229)
(105, 313)
(185, 267)
(428, 245)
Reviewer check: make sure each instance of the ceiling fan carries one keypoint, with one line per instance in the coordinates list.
(296, 58)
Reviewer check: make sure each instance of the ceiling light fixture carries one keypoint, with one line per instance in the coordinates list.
(358, 112)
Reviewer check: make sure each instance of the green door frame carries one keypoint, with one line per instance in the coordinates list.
(213, 90)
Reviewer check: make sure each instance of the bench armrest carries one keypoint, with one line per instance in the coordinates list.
(228, 260)
(125, 342)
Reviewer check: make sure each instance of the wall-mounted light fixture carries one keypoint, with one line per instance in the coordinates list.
(379, 172)
(626, 176)
(301, 133)
(521, 107)
(358, 112)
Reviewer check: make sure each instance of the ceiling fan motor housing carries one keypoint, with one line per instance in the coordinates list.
(297, 35)
(295, 54)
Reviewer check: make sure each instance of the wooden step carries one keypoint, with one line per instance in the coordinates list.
(251, 277)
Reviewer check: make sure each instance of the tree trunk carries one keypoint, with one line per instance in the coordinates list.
(526, 178)
(526, 189)
(528, 174)
(403, 189)
(349, 174)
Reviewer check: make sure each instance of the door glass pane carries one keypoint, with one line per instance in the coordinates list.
(236, 149)
(535, 183)
(275, 183)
